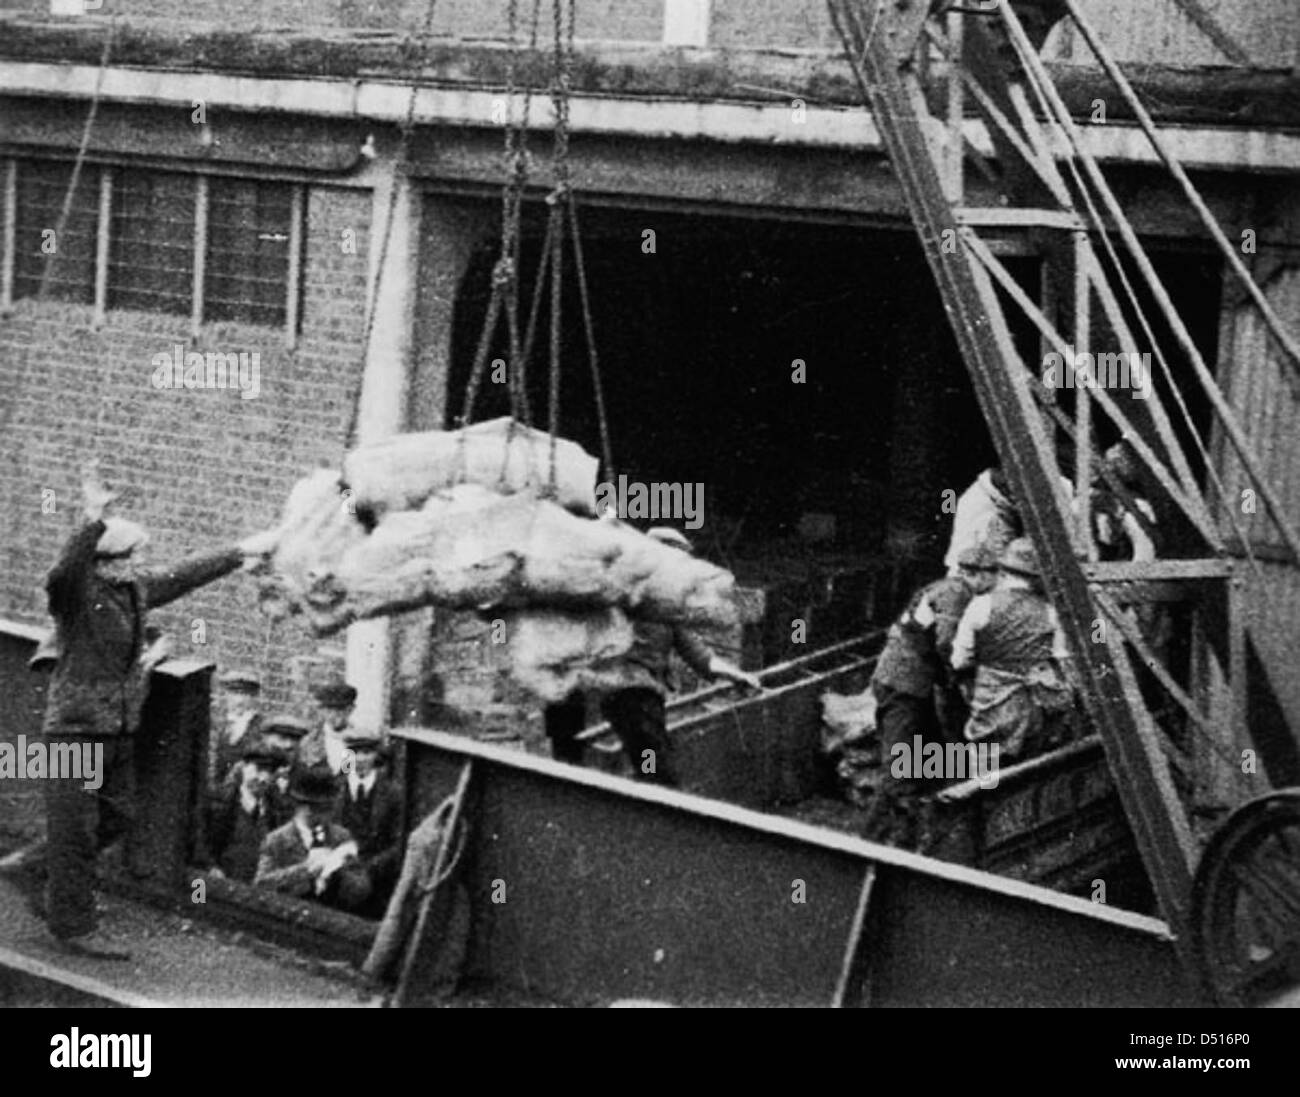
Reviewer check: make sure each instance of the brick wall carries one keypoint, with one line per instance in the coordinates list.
(206, 467)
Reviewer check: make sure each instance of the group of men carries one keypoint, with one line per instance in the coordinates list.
(304, 807)
(978, 657)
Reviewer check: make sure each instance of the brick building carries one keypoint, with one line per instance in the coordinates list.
(240, 165)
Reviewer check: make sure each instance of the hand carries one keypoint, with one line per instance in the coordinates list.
(317, 859)
(261, 544)
(750, 681)
(96, 497)
(216, 873)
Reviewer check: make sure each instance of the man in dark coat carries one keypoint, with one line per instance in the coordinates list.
(242, 816)
(312, 857)
(915, 692)
(99, 595)
(636, 711)
(369, 807)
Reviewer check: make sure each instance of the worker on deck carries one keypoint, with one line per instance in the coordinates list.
(1012, 657)
(986, 517)
(243, 815)
(369, 807)
(311, 856)
(99, 594)
(913, 687)
(636, 710)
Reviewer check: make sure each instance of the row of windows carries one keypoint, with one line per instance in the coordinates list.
(209, 247)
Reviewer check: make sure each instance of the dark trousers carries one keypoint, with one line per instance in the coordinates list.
(563, 721)
(637, 715)
(80, 822)
(900, 717)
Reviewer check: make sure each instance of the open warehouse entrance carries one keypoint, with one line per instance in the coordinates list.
(803, 373)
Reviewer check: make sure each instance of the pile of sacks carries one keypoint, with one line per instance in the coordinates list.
(457, 519)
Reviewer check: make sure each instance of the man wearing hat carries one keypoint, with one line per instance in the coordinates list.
(912, 680)
(240, 692)
(335, 700)
(312, 857)
(99, 595)
(284, 735)
(636, 711)
(369, 807)
(240, 819)
(1011, 640)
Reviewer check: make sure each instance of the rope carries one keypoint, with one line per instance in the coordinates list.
(506, 270)
(403, 161)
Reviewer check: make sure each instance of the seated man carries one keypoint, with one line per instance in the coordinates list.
(311, 857)
(1012, 642)
(241, 817)
(369, 807)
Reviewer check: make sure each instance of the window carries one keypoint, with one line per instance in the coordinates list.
(214, 248)
(151, 264)
(248, 251)
(67, 264)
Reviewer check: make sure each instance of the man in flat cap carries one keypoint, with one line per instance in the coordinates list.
(99, 594)
(240, 697)
(370, 808)
(335, 700)
(312, 857)
(283, 734)
(240, 819)
(1012, 657)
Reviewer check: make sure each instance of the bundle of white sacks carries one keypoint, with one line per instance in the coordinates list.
(457, 519)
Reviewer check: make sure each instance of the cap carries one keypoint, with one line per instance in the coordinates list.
(291, 726)
(977, 558)
(669, 536)
(121, 537)
(257, 749)
(335, 694)
(313, 784)
(1021, 557)
(362, 738)
(240, 681)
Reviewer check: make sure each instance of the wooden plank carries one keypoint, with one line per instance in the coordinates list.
(1127, 571)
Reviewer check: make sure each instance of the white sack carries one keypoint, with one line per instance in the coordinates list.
(401, 472)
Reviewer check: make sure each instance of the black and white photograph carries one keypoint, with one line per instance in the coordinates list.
(548, 504)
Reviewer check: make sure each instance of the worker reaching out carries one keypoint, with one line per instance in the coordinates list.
(636, 710)
(99, 594)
